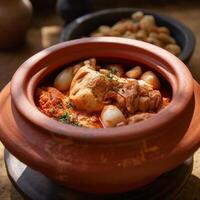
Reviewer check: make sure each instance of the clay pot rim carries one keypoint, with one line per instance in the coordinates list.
(144, 128)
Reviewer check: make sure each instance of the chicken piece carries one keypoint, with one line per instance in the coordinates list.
(150, 99)
(115, 69)
(50, 101)
(88, 89)
(130, 92)
(134, 96)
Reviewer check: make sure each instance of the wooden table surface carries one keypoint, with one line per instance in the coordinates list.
(45, 31)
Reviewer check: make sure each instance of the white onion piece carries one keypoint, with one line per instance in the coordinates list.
(111, 116)
(150, 78)
(63, 79)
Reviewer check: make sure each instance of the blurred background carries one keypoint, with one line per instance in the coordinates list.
(25, 29)
(28, 26)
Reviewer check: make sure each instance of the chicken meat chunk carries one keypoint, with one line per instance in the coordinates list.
(91, 90)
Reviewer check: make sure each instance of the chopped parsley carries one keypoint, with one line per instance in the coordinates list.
(113, 70)
(76, 124)
(66, 119)
(70, 104)
(115, 89)
(110, 76)
(59, 104)
(52, 110)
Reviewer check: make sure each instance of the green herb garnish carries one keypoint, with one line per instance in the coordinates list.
(113, 70)
(59, 104)
(110, 76)
(70, 104)
(76, 124)
(115, 89)
(52, 110)
(66, 119)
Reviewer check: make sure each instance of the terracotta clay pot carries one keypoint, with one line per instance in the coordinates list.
(15, 18)
(101, 160)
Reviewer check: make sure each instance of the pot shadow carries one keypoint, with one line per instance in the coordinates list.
(33, 185)
(14, 194)
(191, 190)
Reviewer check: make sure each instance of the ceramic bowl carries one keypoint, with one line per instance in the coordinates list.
(83, 26)
(106, 160)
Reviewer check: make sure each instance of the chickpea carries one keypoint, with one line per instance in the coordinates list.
(147, 22)
(153, 35)
(137, 16)
(129, 34)
(141, 35)
(104, 29)
(163, 29)
(96, 34)
(119, 27)
(150, 78)
(111, 116)
(129, 25)
(116, 69)
(115, 33)
(155, 41)
(63, 79)
(135, 73)
(172, 40)
(165, 38)
(141, 27)
(173, 48)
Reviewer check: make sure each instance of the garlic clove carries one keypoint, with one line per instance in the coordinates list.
(63, 79)
(111, 116)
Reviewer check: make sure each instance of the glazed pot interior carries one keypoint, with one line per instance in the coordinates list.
(104, 49)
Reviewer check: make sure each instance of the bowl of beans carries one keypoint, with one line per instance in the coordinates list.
(101, 114)
(139, 24)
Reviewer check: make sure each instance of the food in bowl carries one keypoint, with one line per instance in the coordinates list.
(94, 95)
(141, 27)
(109, 160)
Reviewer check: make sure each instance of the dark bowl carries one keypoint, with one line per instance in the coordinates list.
(83, 26)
